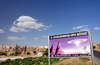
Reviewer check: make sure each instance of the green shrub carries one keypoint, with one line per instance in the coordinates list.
(34, 52)
(5, 54)
(94, 47)
(28, 53)
(45, 52)
(12, 54)
(30, 61)
(2, 53)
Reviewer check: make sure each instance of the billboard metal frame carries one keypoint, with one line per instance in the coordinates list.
(91, 45)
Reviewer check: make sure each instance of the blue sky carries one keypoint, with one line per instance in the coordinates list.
(29, 22)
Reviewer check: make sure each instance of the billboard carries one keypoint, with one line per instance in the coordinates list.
(76, 44)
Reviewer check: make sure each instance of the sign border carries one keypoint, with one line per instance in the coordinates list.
(90, 41)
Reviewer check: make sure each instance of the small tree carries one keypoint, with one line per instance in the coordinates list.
(25, 48)
(3, 53)
(28, 53)
(12, 54)
(94, 47)
(45, 52)
(16, 50)
(19, 51)
(34, 52)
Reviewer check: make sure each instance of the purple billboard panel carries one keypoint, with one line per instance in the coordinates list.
(70, 45)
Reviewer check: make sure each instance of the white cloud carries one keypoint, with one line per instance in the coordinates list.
(40, 30)
(50, 25)
(35, 38)
(44, 28)
(26, 22)
(22, 38)
(78, 27)
(84, 29)
(44, 36)
(15, 38)
(17, 29)
(14, 22)
(74, 28)
(96, 28)
(2, 31)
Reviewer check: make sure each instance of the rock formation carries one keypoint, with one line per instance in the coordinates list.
(59, 50)
(52, 50)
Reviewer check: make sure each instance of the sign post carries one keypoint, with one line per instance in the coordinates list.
(76, 44)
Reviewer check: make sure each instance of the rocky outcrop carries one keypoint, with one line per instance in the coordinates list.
(52, 50)
(59, 50)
